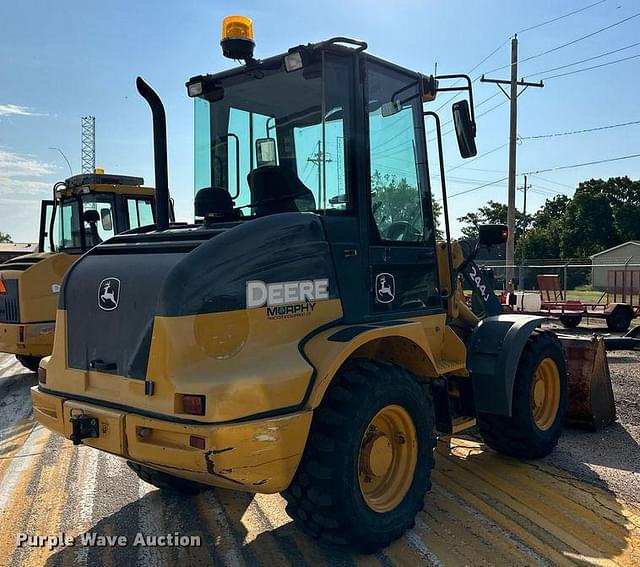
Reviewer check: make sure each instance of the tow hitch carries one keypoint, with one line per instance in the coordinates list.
(83, 426)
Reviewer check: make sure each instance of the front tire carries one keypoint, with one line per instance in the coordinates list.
(368, 459)
(539, 402)
(29, 362)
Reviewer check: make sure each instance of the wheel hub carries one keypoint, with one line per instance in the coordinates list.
(545, 394)
(387, 458)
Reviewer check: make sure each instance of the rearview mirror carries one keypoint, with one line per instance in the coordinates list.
(492, 234)
(105, 217)
(390, 108)
(265, 151)
(465, 129)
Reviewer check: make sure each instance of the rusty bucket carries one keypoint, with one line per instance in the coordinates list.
(591, 403)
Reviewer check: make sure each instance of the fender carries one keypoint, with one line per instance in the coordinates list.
(493, 354)
(329, 349)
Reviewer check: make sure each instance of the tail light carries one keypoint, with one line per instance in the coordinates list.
(197, 442)
(42, 375)
(3, 288)
(193, 404)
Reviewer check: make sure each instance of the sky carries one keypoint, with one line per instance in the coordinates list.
(63, 60)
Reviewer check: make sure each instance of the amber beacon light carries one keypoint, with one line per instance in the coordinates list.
(237, 38)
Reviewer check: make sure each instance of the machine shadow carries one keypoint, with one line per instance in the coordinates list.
(237, 527)
(218, 517)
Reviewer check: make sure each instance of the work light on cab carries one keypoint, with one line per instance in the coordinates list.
(237, 38)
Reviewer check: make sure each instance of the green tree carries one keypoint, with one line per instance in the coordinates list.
(623, 195)
(492, 213)
(4, 237)
(627, 221)
(395, 200)
(551, 213)
(542, 240)
(588, 225)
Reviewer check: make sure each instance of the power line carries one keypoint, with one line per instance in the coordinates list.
(477, 188)
(572, 42)
(556, 134)
(585, 60)
(476, 106)
(465, 163)
(534, 173)
(581, 164)
(592, 67)
(471, 71)
(553, 182)
(562, 17)
(477, 116)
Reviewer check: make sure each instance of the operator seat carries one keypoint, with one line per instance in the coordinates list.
(92, 238)
(215, 205)
(276, 189)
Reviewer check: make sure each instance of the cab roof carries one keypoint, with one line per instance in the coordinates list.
(105, 183)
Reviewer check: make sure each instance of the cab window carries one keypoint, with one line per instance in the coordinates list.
(140, 212)
(276, 140)
(396, 195)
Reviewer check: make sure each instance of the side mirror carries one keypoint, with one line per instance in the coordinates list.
(265, 151)
(492, 234)
(465, 129)
(105, 218)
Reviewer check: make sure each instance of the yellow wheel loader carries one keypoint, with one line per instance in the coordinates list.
(85, 210)
(307, 334)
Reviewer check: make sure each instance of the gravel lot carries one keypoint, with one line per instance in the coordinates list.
(608, 458)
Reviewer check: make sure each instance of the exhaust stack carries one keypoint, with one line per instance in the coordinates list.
(159, 152)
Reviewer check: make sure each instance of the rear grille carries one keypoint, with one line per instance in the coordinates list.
(9, 307)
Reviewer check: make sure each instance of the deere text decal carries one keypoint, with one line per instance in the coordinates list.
(284, 300)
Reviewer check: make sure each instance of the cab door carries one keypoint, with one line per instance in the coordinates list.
(46, 212)
(403, 279)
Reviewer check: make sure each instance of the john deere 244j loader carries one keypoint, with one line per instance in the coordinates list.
(308, 335)
(85, 210)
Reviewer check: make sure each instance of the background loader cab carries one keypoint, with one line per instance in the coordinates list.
(85, 210)
(308, 334)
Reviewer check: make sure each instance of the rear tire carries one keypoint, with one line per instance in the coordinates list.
(166, 481)
(539, 409)
(29, 362)
(619, 321)
(358, 484)
(570, 321)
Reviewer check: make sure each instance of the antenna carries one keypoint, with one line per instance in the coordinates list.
(88, 138)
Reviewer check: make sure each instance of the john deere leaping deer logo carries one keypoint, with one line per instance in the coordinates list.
(109, 294)
(385, 288)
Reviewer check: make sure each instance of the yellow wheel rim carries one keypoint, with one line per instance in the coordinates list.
(545, 394)
(387, 458)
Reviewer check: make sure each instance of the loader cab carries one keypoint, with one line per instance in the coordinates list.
(328, 129)
(91, 208)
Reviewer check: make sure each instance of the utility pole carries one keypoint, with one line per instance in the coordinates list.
(513, 140)
(521, 276)
(319, 159)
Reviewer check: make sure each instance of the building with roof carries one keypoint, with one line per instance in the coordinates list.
(616, 258)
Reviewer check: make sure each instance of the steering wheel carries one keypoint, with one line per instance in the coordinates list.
(400, 230)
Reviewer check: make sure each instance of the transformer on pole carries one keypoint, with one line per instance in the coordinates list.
(88, 151)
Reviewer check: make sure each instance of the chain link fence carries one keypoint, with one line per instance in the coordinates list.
(618, 278)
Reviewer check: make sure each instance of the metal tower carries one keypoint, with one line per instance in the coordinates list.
(88, 151)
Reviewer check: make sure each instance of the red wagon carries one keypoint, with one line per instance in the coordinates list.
(622, 306)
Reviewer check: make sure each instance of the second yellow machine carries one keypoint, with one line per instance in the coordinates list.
(85, 210)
